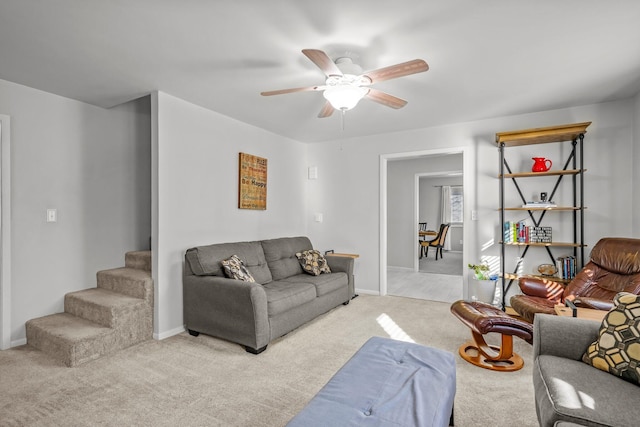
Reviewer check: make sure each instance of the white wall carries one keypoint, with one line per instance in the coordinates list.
(196, 192)
(93, 166)
(350, 193)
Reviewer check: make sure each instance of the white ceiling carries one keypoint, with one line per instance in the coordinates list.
(487, 58)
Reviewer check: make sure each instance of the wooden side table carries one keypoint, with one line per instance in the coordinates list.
(581, 313)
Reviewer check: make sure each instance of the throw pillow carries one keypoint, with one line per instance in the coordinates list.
(234, 269)
(617, 349)
(313, 262)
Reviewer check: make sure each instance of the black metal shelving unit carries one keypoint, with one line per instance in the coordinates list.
(573, 168)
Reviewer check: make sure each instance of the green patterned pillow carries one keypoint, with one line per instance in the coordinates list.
(234, 269)
(617, 349)
(313, 262)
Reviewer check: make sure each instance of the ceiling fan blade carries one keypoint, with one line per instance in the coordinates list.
(385, 99)
(398, 70)
(326, 111)
(292, 90)
(322, 60)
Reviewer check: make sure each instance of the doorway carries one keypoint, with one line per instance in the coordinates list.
(399, 217)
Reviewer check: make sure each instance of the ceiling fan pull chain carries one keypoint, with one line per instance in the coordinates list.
(342, 118)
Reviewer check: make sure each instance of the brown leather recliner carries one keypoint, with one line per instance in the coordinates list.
(614, 267)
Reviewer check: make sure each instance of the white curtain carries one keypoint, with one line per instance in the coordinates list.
(446, 212)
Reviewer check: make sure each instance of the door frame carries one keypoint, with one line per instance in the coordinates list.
(466, 172)
(5, 232)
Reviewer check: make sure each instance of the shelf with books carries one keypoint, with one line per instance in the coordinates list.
(559, 244)
(569, 208)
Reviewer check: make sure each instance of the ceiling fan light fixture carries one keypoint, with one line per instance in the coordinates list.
(345, 85)
(345, 96)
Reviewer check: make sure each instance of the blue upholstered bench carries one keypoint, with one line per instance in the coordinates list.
(386, 382)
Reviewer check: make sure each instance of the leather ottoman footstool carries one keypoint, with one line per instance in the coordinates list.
(482, 319)
(386, 383)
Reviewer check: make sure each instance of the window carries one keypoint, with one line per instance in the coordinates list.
(456, 204)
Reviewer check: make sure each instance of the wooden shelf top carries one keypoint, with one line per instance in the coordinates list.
(510, 276)
(544, 135)
(552, 208)
(547, 173)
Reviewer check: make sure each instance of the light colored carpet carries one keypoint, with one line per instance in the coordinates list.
(197, 381)
(450, 263)
(404, 282)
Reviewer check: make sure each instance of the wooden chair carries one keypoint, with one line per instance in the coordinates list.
(437, 242)
(422, 226)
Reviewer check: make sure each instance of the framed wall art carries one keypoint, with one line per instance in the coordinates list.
(252, 182)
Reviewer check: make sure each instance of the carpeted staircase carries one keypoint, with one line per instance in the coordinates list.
(115, 315)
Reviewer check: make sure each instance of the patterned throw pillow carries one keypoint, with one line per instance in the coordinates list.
(313, 262)
(617, 349)
(234, 269)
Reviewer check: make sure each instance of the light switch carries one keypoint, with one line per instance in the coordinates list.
(52, 215)
(313, 172)
(318, 217)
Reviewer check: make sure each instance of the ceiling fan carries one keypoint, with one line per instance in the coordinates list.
(346, 85)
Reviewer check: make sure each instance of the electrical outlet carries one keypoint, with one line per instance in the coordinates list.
(474, 215)
(52, 215)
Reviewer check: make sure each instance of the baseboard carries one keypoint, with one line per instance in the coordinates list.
(399, 268)
(367, 291)
(18, 343)
(170, 333)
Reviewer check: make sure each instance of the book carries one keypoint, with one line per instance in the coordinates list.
(567, 267)
(539, 205)
(520, 232)
(540, 234)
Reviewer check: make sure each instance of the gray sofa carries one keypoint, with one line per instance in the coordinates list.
(571, 391)
(283, 298)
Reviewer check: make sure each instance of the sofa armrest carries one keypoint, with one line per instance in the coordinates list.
(561, 336)
(226, 308)
(344, 264)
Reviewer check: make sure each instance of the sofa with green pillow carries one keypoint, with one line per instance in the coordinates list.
(587, 372)
(253, 292)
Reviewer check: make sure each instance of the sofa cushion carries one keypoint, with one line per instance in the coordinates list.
(281, 255)
(617, 349)
(234, 269)
(570, 390)
(207, 260)
(324, 283)
(283, 296)
(312, 262)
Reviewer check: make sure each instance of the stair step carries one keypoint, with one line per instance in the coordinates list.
(129, 281)
(99, 321)
(69, 339)
(140, 260)
(102, 306)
